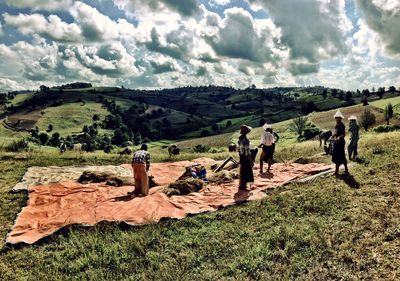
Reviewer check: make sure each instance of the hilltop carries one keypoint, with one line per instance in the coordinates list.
(121, 116)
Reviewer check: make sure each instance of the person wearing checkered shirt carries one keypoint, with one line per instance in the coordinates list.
(141, 166)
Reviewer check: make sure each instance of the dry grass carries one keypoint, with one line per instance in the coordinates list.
(325, 120)
(324, 230)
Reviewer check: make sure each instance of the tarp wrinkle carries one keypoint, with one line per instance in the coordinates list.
(52, 206)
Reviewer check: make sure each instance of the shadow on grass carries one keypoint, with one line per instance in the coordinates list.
(349, 180)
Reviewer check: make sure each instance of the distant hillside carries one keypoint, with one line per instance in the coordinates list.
(168, 113)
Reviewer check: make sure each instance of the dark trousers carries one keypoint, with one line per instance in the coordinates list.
(352, 149)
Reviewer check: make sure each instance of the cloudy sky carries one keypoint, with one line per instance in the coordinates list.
(347, 44)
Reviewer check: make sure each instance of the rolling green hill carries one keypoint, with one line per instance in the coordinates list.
(69, 119)
(395, 101)
(188, 112)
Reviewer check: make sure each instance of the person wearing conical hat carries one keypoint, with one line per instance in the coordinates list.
(354, 129)
(339, 155)
(246, 161)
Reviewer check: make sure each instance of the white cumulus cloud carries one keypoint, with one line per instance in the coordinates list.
(50, 5)
(383, 16)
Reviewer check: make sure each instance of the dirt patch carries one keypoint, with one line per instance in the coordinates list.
(25, 119)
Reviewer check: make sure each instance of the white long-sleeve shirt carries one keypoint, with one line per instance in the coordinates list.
(267, 139)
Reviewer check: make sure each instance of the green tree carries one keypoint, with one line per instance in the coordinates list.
(388, 113)
(228, 123)
(43, 138)
(55, 140)
(381, 92)
(324, 93)
(364, 100)
(96, 117)
(367, 119)
(119, 137)
(366, 93)
(298, 125)
(349, 96)
(205, 133)
(214, 127)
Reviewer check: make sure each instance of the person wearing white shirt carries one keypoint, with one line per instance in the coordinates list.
(267, 145)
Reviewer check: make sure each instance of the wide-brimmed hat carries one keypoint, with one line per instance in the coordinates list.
(353, 117)
(338, 114)
(267, 126)
(244, 129)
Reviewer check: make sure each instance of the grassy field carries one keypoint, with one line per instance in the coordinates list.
(343, 228)
(288, 140)
(325, 120)
(70, 118)
(236, 123)
(20, 98)
(324, 230)
(384, 102)
(7, 136)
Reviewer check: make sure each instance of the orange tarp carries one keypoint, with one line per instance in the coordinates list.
(54, 206)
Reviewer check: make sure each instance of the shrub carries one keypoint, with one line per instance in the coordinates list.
(119, 137)
(364, 100)
(311, 131)
(96, 117)
(107, 149)
(386, 128)
(205, 133)
(214, 127)
(201, 148)
(298, 125)
(18, 145)
(55, 140)
(43, 138)
(367, 119)
(57, 103)
(388, 113)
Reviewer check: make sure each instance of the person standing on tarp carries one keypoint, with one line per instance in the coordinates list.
(141, 166)
(268, 147)
(338, 155)
(355, 136)
(246, 162)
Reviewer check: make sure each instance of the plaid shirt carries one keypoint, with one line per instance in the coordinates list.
(141, 156)
(244, 146)
(354, 130)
